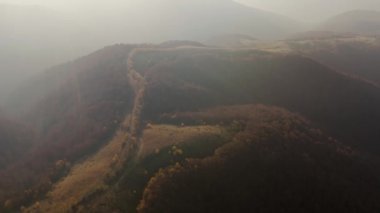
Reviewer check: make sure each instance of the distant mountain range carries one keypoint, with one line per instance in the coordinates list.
(203, 19)
(357, 21)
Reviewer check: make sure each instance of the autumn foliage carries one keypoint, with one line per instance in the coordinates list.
(277, 163)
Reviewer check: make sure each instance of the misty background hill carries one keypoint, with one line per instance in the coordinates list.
(33, 38)
(356, 21)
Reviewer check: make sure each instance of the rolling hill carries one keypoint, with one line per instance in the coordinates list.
(126, 119)
(75, 110)
(350, 54)
(231, 17)
(277, 162)
(353, 55)
(197, 78)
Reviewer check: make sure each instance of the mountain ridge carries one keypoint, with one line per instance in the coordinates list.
(355, 21)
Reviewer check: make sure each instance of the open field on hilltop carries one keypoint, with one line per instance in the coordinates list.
(157, 137)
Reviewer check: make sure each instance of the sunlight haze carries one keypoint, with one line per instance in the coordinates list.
(312, 10)
(302, 10)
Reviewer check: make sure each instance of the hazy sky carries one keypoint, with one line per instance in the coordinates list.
(312, 10)
(306, 10)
